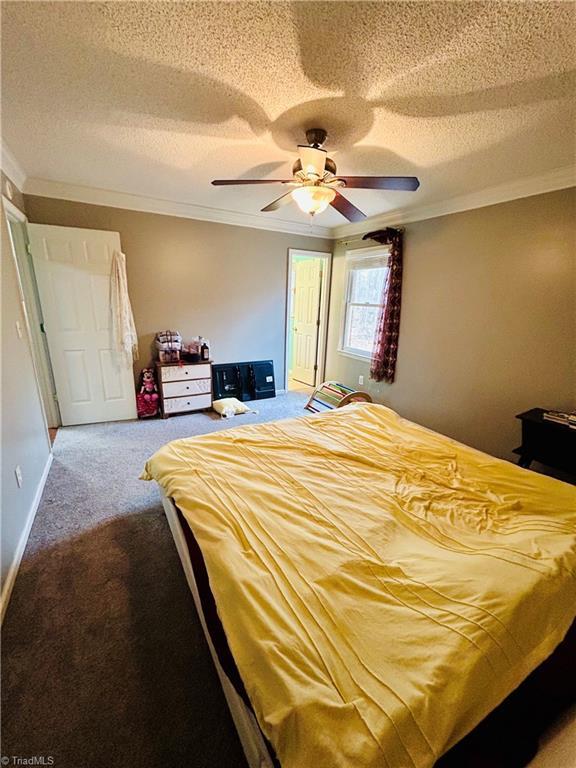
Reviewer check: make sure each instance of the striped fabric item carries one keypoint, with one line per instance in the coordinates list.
(327, 397)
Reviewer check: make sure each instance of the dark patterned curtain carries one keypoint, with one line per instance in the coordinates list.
(383, 363)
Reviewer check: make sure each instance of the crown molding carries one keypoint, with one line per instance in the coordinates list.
(12, 168)
(560, 178)
(91, 195)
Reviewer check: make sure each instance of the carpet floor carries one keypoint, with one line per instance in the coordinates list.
(104, 662)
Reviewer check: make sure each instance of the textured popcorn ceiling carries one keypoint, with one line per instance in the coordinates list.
(159, 98)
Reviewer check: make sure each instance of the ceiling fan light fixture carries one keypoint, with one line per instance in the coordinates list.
(312, 199)
(313, 161)
(316, 182)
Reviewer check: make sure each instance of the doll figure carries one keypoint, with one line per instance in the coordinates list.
(147, 400)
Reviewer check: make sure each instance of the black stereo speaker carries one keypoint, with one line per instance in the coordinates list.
(245, 381)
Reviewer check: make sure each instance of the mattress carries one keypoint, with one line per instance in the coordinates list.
(381, 587)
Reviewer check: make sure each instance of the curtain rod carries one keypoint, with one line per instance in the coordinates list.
(361, 238)
(357, 239)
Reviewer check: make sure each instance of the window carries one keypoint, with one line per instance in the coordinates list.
(366, 275)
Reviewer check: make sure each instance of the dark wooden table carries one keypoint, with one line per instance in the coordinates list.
(545, 441)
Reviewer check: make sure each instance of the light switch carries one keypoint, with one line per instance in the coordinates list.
(18, 329)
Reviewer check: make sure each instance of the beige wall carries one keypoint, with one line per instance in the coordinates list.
(488, 324)
(24, 439)
(224, 282)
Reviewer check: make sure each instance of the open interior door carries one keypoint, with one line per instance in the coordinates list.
(94, 383)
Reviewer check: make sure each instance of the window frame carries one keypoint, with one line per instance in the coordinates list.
(361, 258)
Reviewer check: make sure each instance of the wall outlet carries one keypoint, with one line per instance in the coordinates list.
(18, 473)
(360, 379)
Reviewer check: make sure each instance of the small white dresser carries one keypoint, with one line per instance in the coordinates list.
(184, 387)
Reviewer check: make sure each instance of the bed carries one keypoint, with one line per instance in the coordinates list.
(370, 590)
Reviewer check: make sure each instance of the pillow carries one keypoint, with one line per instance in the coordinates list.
(230, 406)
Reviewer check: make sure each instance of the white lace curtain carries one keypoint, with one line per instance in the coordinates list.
(123, 328)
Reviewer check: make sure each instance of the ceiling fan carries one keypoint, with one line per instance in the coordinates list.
(316, 182)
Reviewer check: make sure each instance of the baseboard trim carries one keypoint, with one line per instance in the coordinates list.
(19, 553)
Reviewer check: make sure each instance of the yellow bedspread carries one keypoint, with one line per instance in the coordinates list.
(382, 587)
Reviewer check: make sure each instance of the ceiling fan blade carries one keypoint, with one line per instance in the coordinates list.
(346, 208)
(230, 182)
(403, 183)
(313, 160)
(278, 203)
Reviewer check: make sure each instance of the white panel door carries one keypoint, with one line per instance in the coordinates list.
(307, 281)
(93, 382)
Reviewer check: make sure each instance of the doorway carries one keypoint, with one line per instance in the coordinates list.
(307, 318)
(19, 240)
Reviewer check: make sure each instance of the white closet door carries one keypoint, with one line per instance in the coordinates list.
(93, 382)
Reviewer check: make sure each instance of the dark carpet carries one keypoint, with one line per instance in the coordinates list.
(104, 662)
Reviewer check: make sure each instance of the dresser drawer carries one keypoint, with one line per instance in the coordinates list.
(185, 388)
(192, 403)
(183, 372)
